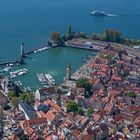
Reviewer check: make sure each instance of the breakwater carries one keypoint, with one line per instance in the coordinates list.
(33, 50)
(9, 62)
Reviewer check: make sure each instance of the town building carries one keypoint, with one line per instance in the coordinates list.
(45, 93)
(28, 111)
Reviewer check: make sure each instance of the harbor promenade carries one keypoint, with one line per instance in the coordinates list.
(86, 44)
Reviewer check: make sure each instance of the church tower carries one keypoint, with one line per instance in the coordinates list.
(68, 72)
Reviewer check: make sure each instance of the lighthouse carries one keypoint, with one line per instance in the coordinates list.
(22, 54)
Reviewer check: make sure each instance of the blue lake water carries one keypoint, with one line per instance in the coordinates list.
(32, 21)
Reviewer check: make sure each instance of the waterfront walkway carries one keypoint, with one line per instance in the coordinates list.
(85, 44)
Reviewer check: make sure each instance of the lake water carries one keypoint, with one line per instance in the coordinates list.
(53, 61)
(32, 21)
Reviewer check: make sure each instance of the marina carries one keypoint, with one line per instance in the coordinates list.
(17, 73)
(44, 80)
(20, 84)
(52, 62)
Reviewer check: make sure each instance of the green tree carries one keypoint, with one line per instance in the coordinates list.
(135, 42)
(127, 42)
(94, 36)
(108, 56)
(90, 111)
(82, 35)
(72, 106)
(80, 111)
(63, 38)
(14, 101)
(84, 83)
(11, 94)
(70, 34)
(55, 36)
(69, 30)
(27, 97)
(131, 94)
(112, 35)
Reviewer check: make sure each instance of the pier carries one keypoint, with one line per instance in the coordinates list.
(35, 49)
(41, 48)
(23, 54)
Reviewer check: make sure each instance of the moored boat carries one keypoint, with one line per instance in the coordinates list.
(50, 79)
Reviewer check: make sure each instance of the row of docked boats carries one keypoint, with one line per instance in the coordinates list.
(6, 69)
(18, 83)
(50, 79)
(46, 79)
(41, 49)
(25, 89)
(17, 73)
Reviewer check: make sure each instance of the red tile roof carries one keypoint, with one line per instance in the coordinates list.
(37, 121)
(96, 117)
(41, 114)
(53, 105)
(108, 107)
(137, 121)
(76, 133)
(50, 116)
(138, 134)
(37, 103)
